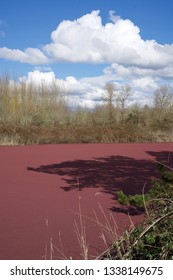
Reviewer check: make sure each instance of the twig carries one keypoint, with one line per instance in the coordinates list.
(143, 196)
(153, 224)
(164, 165)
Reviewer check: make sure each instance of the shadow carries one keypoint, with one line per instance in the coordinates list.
(164, 157)
(128, 210)
(111, 174)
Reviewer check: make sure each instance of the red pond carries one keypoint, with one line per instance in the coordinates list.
(52, 195)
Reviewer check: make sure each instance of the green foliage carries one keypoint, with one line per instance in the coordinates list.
(167, 177)
(135, 200)
(122, 198)
(153, 238)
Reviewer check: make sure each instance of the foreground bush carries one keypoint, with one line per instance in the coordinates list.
(152, 239)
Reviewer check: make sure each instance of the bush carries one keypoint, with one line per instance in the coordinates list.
(153, 238)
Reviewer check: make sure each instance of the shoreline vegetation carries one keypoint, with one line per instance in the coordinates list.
(41, 114)
(153, 238)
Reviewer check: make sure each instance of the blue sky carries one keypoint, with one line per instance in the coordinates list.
(83, 44)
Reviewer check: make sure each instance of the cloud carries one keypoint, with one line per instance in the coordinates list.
(38, 77)
(43, 68)
(87, 40)
(143, 64)
(121, 72)
(29, 55)
(113, 17)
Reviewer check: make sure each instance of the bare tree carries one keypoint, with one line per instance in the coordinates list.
(124, 94)
(109, 97)
(163, 97)
(109, 94)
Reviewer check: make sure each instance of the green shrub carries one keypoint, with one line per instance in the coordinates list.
(153, 238)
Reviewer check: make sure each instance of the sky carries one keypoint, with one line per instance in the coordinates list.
(84, 44)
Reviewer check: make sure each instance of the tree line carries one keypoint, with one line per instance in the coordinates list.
(42, 114)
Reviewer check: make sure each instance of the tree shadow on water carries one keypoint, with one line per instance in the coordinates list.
(163, 157)
(110, 173)
(128, 210)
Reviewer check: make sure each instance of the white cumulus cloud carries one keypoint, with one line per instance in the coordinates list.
(29, 55)
(37, 77)
(88, 40)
